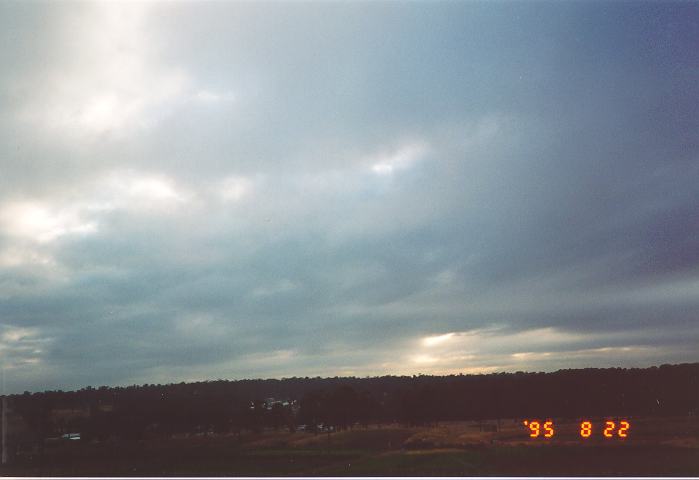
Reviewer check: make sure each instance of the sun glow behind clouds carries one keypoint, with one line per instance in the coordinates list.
(41, 223)
(493, 349)
(436, 340)
(110, 79)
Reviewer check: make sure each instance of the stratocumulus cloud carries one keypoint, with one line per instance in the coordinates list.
(236, 190)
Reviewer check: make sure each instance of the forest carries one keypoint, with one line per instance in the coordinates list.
(339, 403)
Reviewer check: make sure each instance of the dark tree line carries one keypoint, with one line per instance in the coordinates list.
(236, 406)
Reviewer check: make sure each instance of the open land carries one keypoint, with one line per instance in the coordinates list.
(654, 446)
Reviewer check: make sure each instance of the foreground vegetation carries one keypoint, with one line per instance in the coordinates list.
(655, 447)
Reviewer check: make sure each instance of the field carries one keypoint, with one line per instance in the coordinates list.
(653, 447)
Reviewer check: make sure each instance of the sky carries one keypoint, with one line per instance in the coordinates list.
(227, 190)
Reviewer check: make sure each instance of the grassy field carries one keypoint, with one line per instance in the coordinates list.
(654, 447)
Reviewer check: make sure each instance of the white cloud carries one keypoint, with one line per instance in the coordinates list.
(21, 346)
(16, 334)
(400, 159)
(146, 187)
(235, 188)
(109, 79)
(137, 191)
(18, 255)
(43, 223)
(437, 339)
(208, 96)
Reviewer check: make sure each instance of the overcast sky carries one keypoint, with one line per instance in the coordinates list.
(196, 191)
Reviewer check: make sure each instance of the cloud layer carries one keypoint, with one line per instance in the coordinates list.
(229, 190)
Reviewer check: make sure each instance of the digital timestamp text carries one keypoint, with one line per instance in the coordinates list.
(610, 429)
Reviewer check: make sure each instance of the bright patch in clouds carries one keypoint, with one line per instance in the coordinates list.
(43, 223)
(437, 339)
(235, 188)
(402, 158)
(207, 96)
(109, 79)
(487, 350)
(112, 81)
(423, 359)
(21, 346)
(138, 191)
(149, 188)
(15, 256)
(15, 334)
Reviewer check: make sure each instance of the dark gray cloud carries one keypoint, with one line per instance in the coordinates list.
(229, 190)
